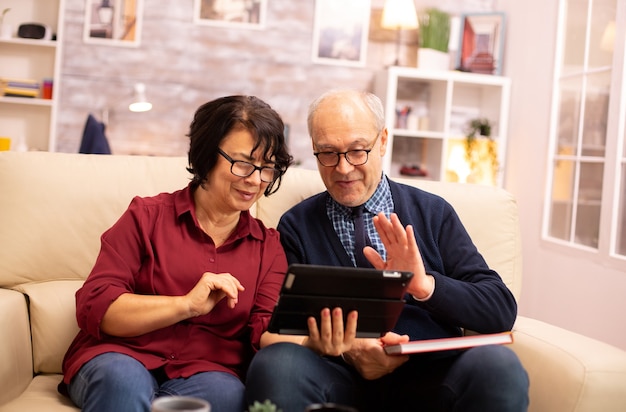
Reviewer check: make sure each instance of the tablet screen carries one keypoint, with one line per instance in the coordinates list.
(376, 294)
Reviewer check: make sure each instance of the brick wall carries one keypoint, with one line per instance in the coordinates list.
(184, 65)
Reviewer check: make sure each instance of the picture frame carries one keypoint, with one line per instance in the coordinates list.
(481, 43)
(340, 32)
(113, 22)
(244, 14)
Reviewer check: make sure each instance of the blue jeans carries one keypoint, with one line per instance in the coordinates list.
(116, 383)
(487, 378)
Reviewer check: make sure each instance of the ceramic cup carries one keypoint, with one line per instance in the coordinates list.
(180, 404)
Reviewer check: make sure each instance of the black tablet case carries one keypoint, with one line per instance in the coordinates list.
(376, 294)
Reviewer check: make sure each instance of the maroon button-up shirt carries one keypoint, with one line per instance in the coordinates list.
(158, 248)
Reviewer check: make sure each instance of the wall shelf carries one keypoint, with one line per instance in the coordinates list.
(441, 105)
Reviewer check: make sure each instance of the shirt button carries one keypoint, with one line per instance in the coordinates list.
(172, 356)
(212, 260)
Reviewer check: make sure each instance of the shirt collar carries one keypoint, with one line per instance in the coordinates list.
(247, 225)
(373, 205)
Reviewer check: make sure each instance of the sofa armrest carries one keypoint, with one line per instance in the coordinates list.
(16, 361)
(53, 326)
(568, 371)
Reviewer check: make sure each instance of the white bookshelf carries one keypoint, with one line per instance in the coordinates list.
(30, 122)
(442, 103)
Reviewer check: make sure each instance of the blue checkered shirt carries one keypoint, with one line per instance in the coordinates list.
(341, 218)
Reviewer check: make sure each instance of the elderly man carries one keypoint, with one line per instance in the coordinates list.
(406, 229)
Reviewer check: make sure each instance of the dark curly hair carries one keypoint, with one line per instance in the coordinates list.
(215, 119)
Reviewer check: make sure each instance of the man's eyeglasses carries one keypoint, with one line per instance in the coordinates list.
(244, 169)
(354, 157)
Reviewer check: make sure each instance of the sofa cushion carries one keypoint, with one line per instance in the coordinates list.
(52, 309)
(41, 395)
(296, 185)
(46, 233)
(493, 224)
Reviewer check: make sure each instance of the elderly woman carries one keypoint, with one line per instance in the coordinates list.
(185, 282)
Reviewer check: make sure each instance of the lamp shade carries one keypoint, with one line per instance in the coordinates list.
(105, 12)
(399, 14)
(140, 103)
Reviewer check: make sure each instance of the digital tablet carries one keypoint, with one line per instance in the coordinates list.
(377, 295)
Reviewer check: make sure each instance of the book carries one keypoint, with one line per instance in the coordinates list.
(462, 342)
(16, 80)
(19, 90)
(21, 85)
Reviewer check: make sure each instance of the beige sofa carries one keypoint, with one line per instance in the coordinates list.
(53, 208)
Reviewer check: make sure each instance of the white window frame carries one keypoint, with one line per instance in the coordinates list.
(614, 157)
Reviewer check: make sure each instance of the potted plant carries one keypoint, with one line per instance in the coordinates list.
(481, 149)
(434, 36)
(266, 406)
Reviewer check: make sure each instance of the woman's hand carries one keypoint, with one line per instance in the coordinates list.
(133, 315)
(210, 289)
(331, 338)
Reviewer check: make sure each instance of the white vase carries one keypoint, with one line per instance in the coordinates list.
(432, 59)
(6, 31)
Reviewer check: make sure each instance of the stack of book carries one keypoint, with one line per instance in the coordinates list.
(19, 87)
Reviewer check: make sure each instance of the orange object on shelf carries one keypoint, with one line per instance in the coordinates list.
(46, 89)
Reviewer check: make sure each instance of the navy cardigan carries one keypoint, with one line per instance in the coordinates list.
(468, 294)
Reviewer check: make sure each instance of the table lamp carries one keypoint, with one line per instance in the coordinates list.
(399, 15)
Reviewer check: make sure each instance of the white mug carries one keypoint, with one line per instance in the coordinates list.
(180, 404)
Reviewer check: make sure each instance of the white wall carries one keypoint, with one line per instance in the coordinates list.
(572, 290)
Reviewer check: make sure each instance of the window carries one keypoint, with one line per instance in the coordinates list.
(585, 203)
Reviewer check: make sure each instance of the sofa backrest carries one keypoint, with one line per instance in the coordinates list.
(55, 206)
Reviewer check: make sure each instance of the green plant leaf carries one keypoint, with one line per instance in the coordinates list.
(266, 406)
(434, 30)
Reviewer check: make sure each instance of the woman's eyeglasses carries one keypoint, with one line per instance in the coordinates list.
(244, 169)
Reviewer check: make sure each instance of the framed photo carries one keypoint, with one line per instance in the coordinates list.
(340, 32)
(482, 42)
(113, 22)
(247, 14)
